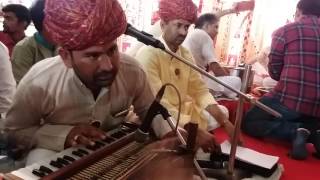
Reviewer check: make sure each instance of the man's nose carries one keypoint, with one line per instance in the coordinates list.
(183, 31)
(105, 62)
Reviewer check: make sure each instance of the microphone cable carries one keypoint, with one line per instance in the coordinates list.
(179, 100)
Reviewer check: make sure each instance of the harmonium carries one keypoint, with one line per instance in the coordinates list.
(117, 157)
(120, 157)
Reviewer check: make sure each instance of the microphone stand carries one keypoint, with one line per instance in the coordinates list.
(165, 114)
(231, 173)
(238, 120)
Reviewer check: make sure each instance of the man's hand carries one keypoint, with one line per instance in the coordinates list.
(207, 142)
(230, 129)
(255, 91)
(204, 139)
(84, 134)
(217, 69)
(217, 113)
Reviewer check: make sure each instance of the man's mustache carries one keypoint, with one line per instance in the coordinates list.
(182, 37)
(106, 73)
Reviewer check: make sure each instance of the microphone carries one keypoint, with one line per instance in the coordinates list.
(142, 133)
(144, 37)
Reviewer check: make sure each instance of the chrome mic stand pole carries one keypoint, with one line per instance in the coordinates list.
(239, 114)
(165, 114)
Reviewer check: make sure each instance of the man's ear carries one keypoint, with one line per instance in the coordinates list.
(162, 24)
(205, 26)
(23, 24)
(66, 57)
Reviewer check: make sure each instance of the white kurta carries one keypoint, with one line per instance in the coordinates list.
(51, 100)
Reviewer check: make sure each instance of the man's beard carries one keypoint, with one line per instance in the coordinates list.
(180, 39)
(6, 29)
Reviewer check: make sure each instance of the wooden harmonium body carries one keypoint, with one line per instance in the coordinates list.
(113, 158)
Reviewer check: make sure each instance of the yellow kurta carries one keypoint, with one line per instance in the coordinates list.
(162, 68)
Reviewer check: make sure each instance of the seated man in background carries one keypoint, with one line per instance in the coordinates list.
(260, 65)
(294, 63)
(32, 49)
(7, 90)
(7, 83)
(16, 20)
(198, 105)
(200, 43)
(73, 98)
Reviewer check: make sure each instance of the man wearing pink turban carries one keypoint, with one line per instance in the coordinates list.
(198, 105)
(75, 97)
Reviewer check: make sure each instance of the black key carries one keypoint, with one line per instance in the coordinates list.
(77, 153)
(100, 143)
(114, 135)
(62, 161)
(118, 134)
(45, 169)
(38, 173)
(94, 147)
(121, 133)
(69, 158)
(125, 129)
(131, 126)
(56, 164)
(108, 140)
(83, 151)
(129, 130)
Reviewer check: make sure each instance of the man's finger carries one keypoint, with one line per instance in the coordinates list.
(95, 133)
(80, 139)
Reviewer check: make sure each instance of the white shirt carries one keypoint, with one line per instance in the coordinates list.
(201, 46)
(7, 82)
(51, 100)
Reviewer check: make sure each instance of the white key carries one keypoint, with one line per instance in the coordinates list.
(24, 173)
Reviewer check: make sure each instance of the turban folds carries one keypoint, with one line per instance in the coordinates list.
(178, 9)
(79, 24)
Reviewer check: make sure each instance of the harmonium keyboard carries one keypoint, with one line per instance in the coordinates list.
(116, 157)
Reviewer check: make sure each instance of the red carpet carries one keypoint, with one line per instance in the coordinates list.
(308, 169)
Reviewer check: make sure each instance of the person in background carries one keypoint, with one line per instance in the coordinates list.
(262, 79)
(7, 90)
(16, 20)
(32, 49)
(155, 30)
(7, 83)
(198, 105)
(294, 63)
(200, 43)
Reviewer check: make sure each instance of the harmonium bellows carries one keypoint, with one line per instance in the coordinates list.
(116, 157)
